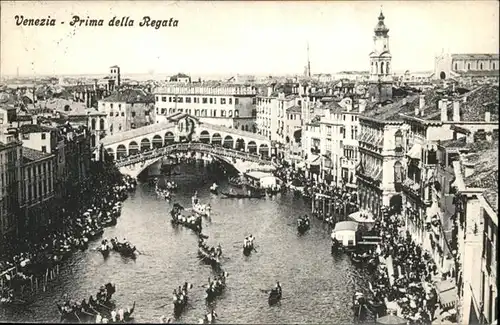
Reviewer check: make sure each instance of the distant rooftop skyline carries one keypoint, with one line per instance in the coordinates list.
(259, 38)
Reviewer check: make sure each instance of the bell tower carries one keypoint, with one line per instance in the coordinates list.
(380, 63)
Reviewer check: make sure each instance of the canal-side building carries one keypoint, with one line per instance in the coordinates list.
(37, 191)
(466, 65)
(477, 234)
(10, 173)
(381, 153)
(127, 109)
(434, 121)
(226, 105)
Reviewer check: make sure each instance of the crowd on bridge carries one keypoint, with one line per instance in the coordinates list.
(22, 263)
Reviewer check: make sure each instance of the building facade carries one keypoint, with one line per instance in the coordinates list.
(127, 109)
(227, 105)
(10, 177)
(449, 65)
(37, 192)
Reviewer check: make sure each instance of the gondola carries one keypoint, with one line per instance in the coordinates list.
(207, 258)
(336, 246)
(105, 252)
(124, 250)
(195, 226)
(179, 305)
(247, 249)
(212, 294)
(303, 225)
(356, 258)
(274, 297)
(244, 196)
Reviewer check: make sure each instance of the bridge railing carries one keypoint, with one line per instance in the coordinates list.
(192, 146)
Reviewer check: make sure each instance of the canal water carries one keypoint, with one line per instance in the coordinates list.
(317, 287)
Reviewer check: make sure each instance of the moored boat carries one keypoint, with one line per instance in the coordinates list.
(244, 196)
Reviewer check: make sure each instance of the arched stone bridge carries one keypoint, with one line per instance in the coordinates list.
(242, 161)
(181, 128)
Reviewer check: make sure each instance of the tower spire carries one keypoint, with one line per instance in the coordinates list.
(308, 61)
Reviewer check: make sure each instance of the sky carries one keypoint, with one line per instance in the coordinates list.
(240, 37)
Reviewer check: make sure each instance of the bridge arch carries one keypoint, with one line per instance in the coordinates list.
(240, 144)
(133, 148)
(264, 150)
(157, 141)
(252, 147)
(228, 142)
(145, 144)
(205, 136)
(216, 139)
(169, 138)
(121, 151)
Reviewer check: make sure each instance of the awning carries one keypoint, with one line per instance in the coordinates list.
(314, 160)
(378, 174)
(327, 162)
(447, 293)
(415, 152)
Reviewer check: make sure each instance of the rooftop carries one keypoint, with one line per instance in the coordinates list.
(478, 101)
(475, 56)
(30, 155)
(34, 128)
(391, 111)
(294, 109)
(478, 73)
(130, 96)
(485, 161)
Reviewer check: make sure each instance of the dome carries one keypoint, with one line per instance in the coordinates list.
(380, 28)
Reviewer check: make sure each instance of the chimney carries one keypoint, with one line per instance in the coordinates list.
(269, 91)
(361, 105)
(487, 116)
(456, 111)
(421, 102)
(444, 109)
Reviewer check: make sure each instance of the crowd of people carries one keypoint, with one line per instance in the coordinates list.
(77, 225)
(413, 270)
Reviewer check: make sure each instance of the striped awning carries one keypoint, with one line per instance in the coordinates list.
(447, 293)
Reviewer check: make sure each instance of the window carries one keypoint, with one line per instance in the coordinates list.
(493, 66)
(204, 100)
(398, 137)
(230, 101)
(169, 99)
(111, 114)
(211, 101)
(133, 114)
(223, 101)
(44, 136)
(146, 113)
(180, 99)
(236, 101)
(117, 114)
(215, 100)
(44, 148)
(111, 105)
(164, 99)
(119, 106)
(157, 98)
(188, 99)
(481, 66)
(26, 136)
(468, 66)
(123, 113)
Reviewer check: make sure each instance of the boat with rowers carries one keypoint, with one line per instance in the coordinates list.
(208, 254)
(200, 209)
(216, 287)
(180, 298)
(248, 245)
(182, 217)
(275, 295)
(303, 224)
(248, 195)
(124, 248)
(98, 310)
